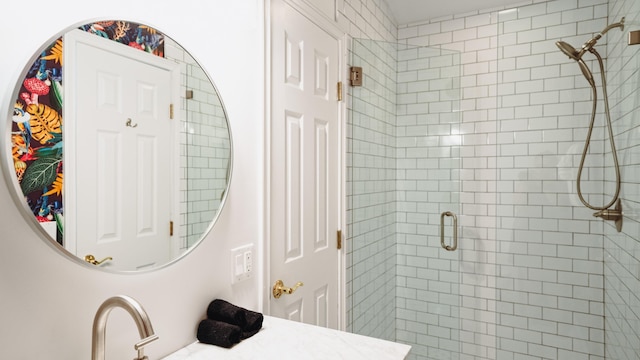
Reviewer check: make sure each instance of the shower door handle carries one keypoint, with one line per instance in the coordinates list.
(455, 231)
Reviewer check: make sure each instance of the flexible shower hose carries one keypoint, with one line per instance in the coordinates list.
(588, 139)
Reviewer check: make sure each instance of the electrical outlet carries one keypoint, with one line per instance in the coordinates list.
(242, 263)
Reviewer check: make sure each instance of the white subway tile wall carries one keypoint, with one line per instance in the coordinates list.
(546, 114)
(204, 147)
(428, 142)
(207, 153)
(371, 230)
(622, 250)
(373, 244)
(498, 131)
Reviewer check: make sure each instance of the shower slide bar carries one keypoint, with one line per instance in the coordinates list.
(455, 231)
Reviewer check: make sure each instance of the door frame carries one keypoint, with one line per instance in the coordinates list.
(342, 38)
(69, 115)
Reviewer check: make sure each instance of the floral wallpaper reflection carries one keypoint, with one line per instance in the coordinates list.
(36, 136)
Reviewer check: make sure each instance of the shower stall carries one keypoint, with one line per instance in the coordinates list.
(489, 133)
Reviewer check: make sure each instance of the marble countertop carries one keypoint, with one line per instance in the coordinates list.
(284, 339)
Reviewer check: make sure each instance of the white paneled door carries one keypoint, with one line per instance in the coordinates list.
(304, 169)
(123, 159)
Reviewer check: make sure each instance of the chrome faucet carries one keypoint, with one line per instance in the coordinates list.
(100, 324)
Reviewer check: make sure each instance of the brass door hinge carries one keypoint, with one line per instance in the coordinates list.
(170, 111)
(170, 228)
(355, 76)
(339, 235)
(339, 90)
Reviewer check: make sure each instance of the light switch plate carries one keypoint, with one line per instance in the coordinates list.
(241, 263)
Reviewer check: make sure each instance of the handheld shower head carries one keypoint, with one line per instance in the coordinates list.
(586, 72)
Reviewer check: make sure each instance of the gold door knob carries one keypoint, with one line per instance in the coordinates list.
(279, 288)
(92, 259)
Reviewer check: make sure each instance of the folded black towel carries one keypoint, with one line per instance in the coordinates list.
(218, 333)
(249, 321)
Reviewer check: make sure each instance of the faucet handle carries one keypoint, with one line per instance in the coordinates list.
(141, 344)
(144, 342)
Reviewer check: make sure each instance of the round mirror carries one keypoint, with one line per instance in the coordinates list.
(118, 146)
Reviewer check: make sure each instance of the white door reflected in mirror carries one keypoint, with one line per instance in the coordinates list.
(124, 174)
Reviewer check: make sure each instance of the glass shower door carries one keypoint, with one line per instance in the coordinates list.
(404, 197)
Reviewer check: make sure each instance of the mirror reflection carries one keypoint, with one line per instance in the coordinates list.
(120, 145)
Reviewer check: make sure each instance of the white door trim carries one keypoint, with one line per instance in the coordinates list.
(342, 38)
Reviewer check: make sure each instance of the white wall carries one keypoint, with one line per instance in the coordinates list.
(47, 302)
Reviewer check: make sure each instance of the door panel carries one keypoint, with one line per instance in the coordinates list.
(109, 228)
(122, 166)
(305, 168)
(147, 211)
(322, 192)
(293, 186)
